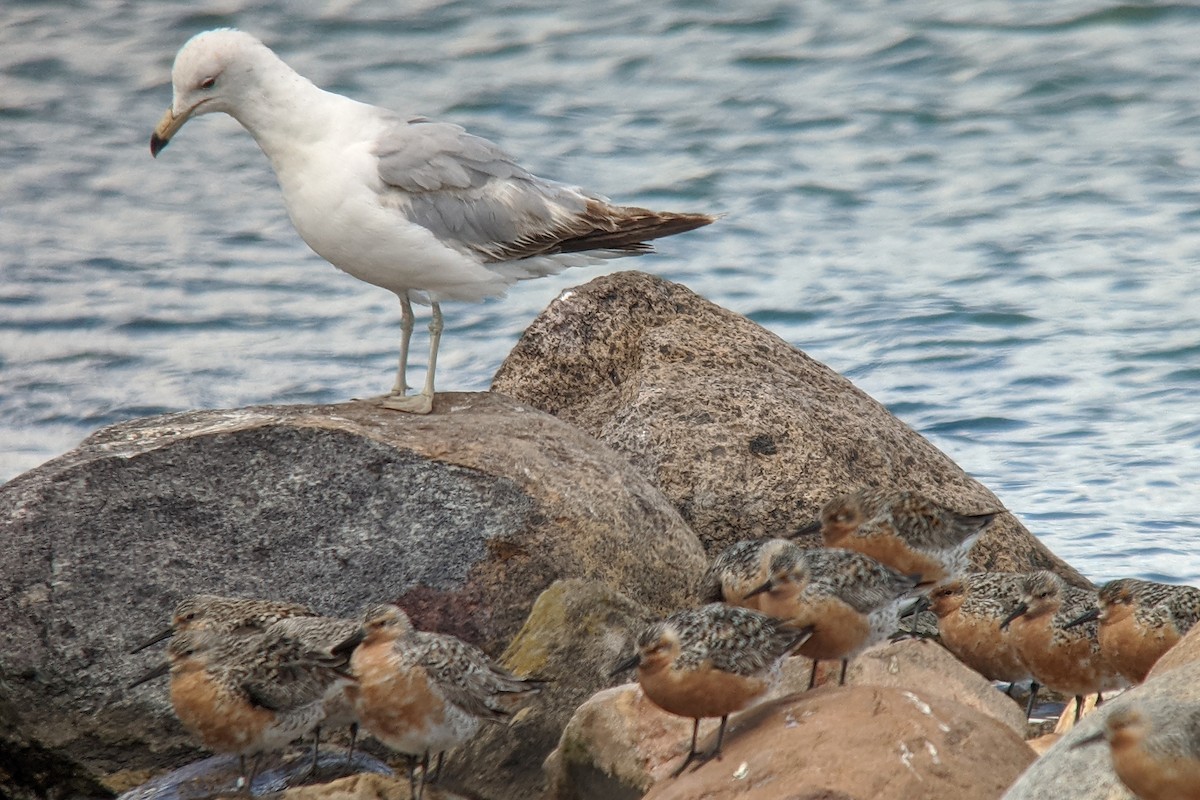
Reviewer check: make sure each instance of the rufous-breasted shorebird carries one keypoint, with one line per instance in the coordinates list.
(1068, 660)
(253, 694)
(1141, 620)
(424, 693)
(969, 610)
(1156, 760)
(903, 529)
(849, 600)
(711, 662)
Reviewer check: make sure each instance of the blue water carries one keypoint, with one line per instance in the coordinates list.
(986, 214)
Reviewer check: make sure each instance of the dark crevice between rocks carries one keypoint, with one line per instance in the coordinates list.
(29, 771)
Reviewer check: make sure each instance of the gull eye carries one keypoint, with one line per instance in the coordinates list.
(208, 83)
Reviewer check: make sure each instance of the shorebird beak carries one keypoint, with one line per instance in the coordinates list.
(1086, 616)
(165, 129)
(157, 672)
(1095, 737)
(766, 587)
(626, 665)
(1016, 612)
(158, 637)
(807, 530)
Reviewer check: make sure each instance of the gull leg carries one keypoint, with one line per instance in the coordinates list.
(422, 403)
(406, 329)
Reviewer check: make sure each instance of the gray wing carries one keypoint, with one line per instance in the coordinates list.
(472, 194)
(468, 678)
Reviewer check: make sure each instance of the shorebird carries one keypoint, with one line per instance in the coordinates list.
(903, 529)
(253, 694)
(1068, 660)
(423, 693)
(234, 615)
(1156, 760)
(969, 611)
(738, 569)
(421, 208)
(710, 662)
(244, 616)
(1141, 620)
(850, 600)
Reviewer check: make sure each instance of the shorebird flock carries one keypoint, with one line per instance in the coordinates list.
(249, 677)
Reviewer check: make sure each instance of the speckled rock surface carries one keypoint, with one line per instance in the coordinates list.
(856, 743)
(929, 667)
(1085, 773)
(578, 630)
(464, 516)
(747, 435)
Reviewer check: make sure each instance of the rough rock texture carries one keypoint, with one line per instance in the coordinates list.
(747, 435)
(928, 667)
(618, 743)
(1086, 773)
(578, 630)
(464, 516)
(856, 743)
(616, 746)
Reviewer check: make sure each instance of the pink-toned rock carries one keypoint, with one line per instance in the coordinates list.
(851, 743)
(617, 744)
(915, 665)
(858, 743)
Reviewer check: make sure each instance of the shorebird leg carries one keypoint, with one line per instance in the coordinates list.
(1078, 707)
(842, 677)
(353, 739)
(312, 770)
(812, 677)
(1033, 692)
(437, 769)
(716, 751)
(691, 751)
(421, 403)
(412, 777)
(406, 329)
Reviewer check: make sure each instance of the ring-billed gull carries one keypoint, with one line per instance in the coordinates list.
(421, 208)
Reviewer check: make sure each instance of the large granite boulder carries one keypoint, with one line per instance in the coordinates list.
(463, 516)
(747, 435)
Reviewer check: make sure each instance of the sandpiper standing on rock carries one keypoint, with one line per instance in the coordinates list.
(1067, 660)
(250, 695)
(849, 600)
(710, 662)
(423, 693)
(903, 529)
(1141, 620)
(969, 611)
(421, 208)
(1156, 760)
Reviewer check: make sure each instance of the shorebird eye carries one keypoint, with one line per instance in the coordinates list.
(208, 83)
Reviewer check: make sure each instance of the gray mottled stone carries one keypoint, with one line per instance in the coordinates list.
(747, 435)
(463, 516)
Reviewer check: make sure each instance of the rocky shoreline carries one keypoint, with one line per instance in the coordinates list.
(634, 430)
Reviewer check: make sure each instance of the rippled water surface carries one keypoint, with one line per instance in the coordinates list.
(986, 214)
